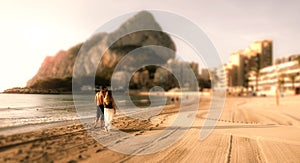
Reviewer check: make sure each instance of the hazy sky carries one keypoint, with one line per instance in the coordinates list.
(33, 29)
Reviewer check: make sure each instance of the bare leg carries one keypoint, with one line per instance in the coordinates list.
(96, 121)
(101, 123)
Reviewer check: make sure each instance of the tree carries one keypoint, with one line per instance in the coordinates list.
(247, 80)
(203, 83)
(151, 69)
(298, 60)
(256, 71)
(292, 77)
(280, 81)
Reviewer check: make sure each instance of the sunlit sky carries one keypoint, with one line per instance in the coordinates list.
(33, 29)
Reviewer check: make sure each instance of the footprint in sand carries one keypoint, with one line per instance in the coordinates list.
(137, 134)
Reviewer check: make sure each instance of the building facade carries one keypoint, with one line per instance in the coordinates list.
(284, 75)
(244, 64)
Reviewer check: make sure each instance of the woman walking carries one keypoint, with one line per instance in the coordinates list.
(109, 110)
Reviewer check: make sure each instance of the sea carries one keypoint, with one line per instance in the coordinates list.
(17, 110)
(26, 109)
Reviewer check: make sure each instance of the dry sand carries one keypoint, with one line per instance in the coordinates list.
(250, 130)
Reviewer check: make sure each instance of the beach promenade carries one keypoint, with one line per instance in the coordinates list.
(250, 129)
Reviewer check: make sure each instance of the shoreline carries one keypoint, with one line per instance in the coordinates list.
(76, 132)
(33, 127)
(20, 129)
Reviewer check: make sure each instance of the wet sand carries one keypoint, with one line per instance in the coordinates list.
(250, 130)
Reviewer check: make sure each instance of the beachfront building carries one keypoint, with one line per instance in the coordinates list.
(204, 74)
(221, 78)
(231, 77)
(236, 65)
(284, 75)
(287, 59)
(218, 77)
(184, 71)
(260, 53)
(251, 70)
(245, 64)
(175, 72)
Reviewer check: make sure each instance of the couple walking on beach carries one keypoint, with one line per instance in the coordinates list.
(105, 108)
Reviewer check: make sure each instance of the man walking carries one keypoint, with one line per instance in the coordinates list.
(100, 107)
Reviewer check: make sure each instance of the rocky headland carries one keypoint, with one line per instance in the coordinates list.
(56, 72)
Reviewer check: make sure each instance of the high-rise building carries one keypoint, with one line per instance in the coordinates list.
(260, 53)
(249, 61)
(286, 59)
(184, 72)
(204, 74)
(236, 64)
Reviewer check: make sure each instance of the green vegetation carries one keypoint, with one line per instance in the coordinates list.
(203, 83)
(292, 77)
(63, 85)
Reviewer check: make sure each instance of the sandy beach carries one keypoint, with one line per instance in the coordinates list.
(250, 129)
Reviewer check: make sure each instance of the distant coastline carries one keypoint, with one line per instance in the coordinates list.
(26, 90)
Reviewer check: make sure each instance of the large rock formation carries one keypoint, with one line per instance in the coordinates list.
(59, 66)
(103, 51)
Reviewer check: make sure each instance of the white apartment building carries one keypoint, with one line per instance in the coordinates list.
(285, 76)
